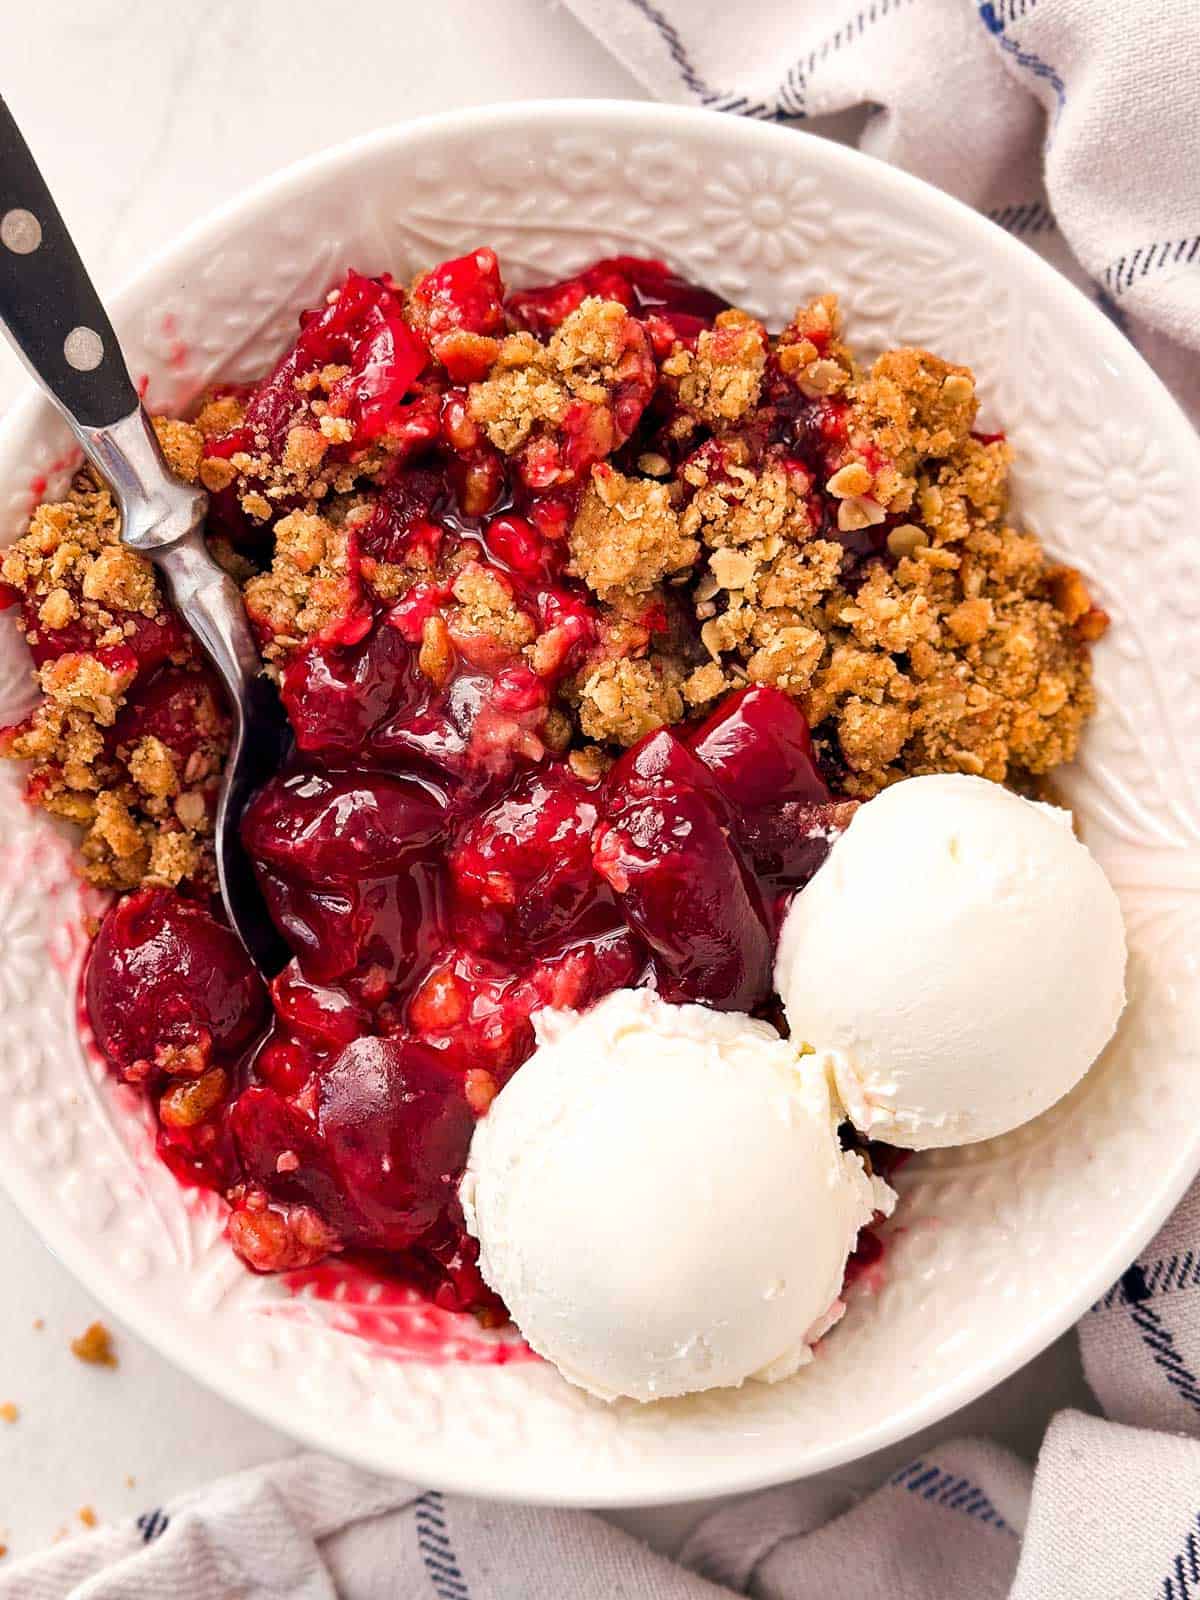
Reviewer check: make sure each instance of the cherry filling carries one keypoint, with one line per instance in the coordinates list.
(648, 288)
(380, 1160)
(666, 847)
(428, 926)
(438, 871)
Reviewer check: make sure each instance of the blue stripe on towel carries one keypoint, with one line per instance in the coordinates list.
(788, 99)
(945, 1489)
(995, 17)
(1183, 1581)
(433, 1541)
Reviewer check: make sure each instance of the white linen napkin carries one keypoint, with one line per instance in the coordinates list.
(1073, 123)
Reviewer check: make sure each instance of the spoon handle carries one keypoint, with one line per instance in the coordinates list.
(54, 317)
(51, 311)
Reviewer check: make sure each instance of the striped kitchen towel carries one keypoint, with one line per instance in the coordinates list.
(1074, 124)
(1112, 1514)
(1111, 1511)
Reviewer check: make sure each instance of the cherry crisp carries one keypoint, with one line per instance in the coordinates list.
(595, 610)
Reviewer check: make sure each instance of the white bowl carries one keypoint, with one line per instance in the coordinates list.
(996, 1248)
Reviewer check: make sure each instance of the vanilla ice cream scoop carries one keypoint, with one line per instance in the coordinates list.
(661, 1199)
(960, 955)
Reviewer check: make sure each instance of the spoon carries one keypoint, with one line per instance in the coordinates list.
(53, 315)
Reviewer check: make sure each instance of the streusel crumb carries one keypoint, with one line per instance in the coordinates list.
(182, 444)
(626, 535)
(621, 700)
(487, 617)
(308, 586)
(94, 1346)
(720, 380)
(575, 381)
(144, 813)
(521, 391)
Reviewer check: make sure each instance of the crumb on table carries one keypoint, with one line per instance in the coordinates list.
(94, 1346)
(9, 1412)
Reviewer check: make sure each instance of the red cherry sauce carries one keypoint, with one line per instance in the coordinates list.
(437, 871)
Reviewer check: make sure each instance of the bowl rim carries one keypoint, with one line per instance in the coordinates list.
(938, 1403)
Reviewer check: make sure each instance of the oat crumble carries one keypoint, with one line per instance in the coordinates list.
(836, 530)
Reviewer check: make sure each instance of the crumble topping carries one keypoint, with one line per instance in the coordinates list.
(183, 446)
(53, 563)
(963, 651)
(487, 622)
(309, 466)
(88, 604)
(308, 586)
(590, 380)
(810, 352)
(622, 700)
(522, 390)
(720, 380)
(626, 536)
(781, 516)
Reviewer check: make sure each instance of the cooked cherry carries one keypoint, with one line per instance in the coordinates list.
(385, 366)
(363, 327)
(641, 283)
(267, 1126)
(398, 1127)
(336, 695)
(323, 1018)
(383, 1159)
(522, 869)
(181, 706)
(320, 826)
(477, 1009)
(150, 640)
(162, 972)
(286, 1065)
(661, 760)
(400, 520)
(759, 750)
(350, 869)
(517, 545)
(463, 296)
(666, 851)
(789, 843)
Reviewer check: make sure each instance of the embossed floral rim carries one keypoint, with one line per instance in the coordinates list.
(546, 1445)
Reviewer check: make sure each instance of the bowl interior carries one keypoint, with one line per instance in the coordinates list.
(996, 1247)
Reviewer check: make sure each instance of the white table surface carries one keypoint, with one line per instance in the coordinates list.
(144, 115)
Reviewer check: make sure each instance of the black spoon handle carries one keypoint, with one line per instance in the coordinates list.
(48, 306)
